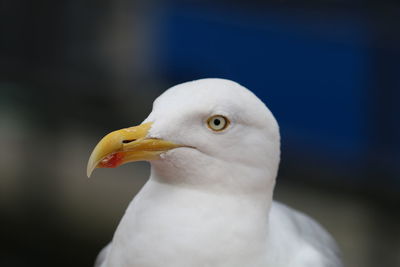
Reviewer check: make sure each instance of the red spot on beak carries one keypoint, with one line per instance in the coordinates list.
(111, 161)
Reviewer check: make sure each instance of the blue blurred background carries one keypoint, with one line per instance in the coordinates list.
(72, 71)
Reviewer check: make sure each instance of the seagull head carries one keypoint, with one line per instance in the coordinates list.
(208, 133)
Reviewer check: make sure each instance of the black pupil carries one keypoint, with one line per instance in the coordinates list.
(217, 122)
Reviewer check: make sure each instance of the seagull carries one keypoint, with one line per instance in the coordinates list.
(214, 150)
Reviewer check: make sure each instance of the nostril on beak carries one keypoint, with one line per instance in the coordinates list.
(128, 141)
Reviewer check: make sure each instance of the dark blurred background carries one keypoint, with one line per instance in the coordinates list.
(72, 71)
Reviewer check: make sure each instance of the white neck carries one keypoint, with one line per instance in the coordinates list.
(172, 221)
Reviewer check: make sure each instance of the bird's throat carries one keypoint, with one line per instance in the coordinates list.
(169, 220)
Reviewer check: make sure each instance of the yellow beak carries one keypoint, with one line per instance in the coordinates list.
(127, 145)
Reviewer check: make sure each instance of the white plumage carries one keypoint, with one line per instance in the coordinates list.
(210, 203)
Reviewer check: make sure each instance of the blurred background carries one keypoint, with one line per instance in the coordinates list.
(72, 71)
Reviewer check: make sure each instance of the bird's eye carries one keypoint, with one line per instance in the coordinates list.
(218, 123)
